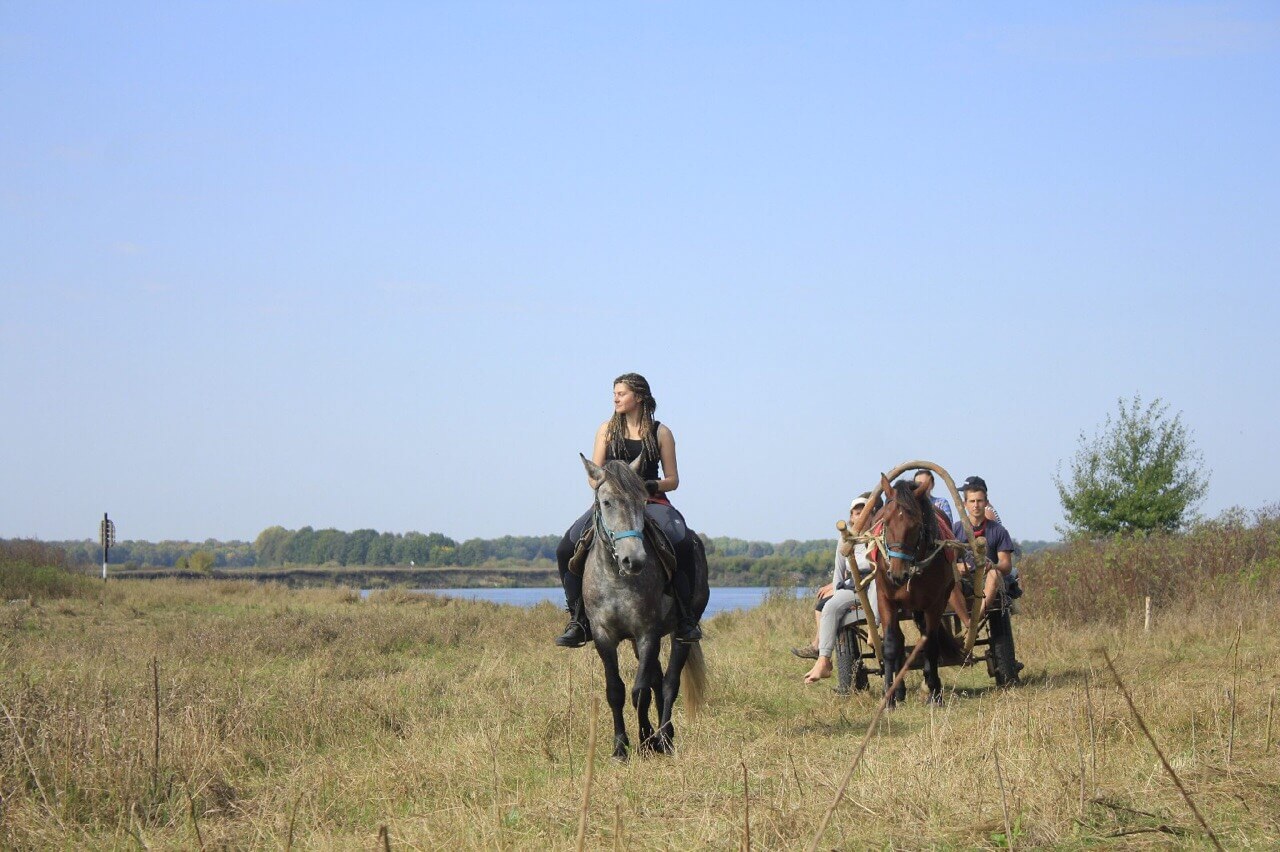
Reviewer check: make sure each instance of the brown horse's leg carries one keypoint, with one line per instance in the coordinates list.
(933, 633)
(894, 653)
(616, 691)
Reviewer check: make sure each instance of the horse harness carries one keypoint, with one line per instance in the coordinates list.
(897, 550)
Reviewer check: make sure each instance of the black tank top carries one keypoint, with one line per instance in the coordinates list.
(648, 467)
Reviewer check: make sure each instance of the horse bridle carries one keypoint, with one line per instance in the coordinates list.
(610, 537)
(897, 550)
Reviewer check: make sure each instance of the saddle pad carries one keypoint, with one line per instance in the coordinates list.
(578, 560)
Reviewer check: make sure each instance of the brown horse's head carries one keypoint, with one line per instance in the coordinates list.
(910, 528)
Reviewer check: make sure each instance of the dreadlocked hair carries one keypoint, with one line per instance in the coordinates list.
(617, 434)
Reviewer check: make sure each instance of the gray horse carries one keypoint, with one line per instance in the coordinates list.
(623, 592)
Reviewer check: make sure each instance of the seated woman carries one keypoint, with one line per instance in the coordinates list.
(633, 432)
(838, 574)
(843, 598)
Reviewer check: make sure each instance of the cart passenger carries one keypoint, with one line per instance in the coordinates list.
(842, 598)
(942, 503)
(1000, 546)
(840, 576)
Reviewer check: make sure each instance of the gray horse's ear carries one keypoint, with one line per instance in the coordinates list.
(635, 463)
(594, 471)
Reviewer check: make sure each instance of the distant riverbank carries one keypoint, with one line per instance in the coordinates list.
(296, 577)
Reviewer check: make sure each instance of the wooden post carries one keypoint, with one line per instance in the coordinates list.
(1146, 618)
(873, 630)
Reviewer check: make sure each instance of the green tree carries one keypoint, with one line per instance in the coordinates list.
(1140, 472)
(271, 545)
(201, 561)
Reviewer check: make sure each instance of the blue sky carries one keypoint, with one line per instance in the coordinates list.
(376, 265)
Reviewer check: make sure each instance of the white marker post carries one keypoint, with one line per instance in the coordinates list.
(107, 535)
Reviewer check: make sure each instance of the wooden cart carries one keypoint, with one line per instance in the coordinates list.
(989, 639)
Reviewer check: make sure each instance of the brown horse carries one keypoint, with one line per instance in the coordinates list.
(913, 574)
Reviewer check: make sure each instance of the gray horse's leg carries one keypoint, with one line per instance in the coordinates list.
(670, 691)
(616, 691)
(648, 674)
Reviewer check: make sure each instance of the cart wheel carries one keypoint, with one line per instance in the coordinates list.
(1002, 662)
(847, 659)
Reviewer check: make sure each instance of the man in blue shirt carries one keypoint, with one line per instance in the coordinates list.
(943, 504)
(1000, 545)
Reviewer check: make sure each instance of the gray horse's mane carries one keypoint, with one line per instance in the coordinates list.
(621, 475)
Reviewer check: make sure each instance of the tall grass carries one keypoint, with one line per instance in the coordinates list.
(313, 718)
(34, 570)
(1209, 567)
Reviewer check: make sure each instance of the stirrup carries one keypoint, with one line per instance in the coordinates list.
(688, 635)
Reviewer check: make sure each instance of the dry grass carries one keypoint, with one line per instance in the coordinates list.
(310, 718)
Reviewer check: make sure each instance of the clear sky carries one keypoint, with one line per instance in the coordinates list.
(377, 264)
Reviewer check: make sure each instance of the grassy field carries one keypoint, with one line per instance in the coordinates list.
(312, 719)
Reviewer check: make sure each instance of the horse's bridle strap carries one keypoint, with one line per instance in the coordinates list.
(614, 536)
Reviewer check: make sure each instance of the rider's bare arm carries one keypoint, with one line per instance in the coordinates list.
(601, 445)
(1004, 562)
(667, 452)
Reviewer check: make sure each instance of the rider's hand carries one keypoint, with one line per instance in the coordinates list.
(651, 485)
(826, 591)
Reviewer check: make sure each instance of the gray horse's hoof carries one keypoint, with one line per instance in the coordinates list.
(658, 745)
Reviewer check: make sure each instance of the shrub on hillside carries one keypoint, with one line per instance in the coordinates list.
(1107, 579)
(33, 569)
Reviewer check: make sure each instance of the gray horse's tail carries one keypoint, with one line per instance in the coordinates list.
(693, 681)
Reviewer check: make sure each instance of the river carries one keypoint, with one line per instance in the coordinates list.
(723, 598)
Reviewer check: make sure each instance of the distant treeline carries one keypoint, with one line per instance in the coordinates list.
(732, 561)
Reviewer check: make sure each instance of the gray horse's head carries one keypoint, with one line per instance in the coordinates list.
(620, 499)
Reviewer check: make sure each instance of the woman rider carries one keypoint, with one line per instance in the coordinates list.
(632, 432)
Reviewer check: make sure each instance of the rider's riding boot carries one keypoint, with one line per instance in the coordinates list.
(577, 632)
(687, 629)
